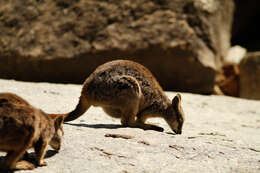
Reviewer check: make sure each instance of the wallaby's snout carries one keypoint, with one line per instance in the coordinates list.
(178, 132)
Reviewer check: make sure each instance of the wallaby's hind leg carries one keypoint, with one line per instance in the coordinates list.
(128, 119)
(25, 165)
(12, 157)
(11, 161)
(141, 118)
(113, 112)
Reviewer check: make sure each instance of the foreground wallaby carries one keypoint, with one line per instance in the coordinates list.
(128, 90)
(22, 127)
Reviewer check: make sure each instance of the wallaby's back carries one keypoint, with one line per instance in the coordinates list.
(101, 83)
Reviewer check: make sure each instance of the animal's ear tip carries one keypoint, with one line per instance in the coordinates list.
(57, 118)
(60, 118)
(177, 97)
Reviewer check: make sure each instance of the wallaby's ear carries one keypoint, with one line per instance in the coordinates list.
(176, 102)
(58, 122)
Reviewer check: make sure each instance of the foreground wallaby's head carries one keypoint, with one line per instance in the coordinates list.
(56, 140)
(175, 115)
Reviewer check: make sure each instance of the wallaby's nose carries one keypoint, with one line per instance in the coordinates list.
(178, 132)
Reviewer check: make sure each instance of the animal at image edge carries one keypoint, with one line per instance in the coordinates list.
(23, 126)
(127, 90)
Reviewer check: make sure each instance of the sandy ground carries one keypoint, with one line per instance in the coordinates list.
(221, 134)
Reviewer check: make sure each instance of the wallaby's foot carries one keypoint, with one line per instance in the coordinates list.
(21, 165)
(151, 127)
(42, 163)
(142, 126)
(24, 165)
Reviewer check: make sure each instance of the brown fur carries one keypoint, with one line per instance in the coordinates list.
(12, 98)
(22, 127)
(129, 91)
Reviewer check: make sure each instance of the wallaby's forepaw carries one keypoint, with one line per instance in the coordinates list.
(24, 165)
(151, 127)
(42, 163)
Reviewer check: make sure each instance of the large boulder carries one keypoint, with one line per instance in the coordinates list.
(182, 42)
(250, 76)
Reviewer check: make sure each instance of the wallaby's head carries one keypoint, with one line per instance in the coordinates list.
(56, 140)
(175, 115)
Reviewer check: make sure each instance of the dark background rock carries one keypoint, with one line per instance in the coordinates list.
(182, 42)
(250, 76)
(246, 24)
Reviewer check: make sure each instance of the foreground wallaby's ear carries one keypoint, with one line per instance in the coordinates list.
(59, 121)
(176, 102)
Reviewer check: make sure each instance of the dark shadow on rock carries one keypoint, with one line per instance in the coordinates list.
(1, 170)
(1, 158)
(171, 133)
(30, 157)
(6, 171)
(50, 153)
(98, 126)
(109, 126)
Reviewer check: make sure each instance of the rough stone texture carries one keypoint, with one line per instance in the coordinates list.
(250, 76)
(221, 134)
(228, 80)
(235, 54)
(183, 42)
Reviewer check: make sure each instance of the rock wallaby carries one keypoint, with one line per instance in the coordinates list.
(129, 91)
(22, 127)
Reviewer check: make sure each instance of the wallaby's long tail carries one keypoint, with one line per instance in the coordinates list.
(80, 109)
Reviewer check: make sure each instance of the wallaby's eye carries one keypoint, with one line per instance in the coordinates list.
(180, 120)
